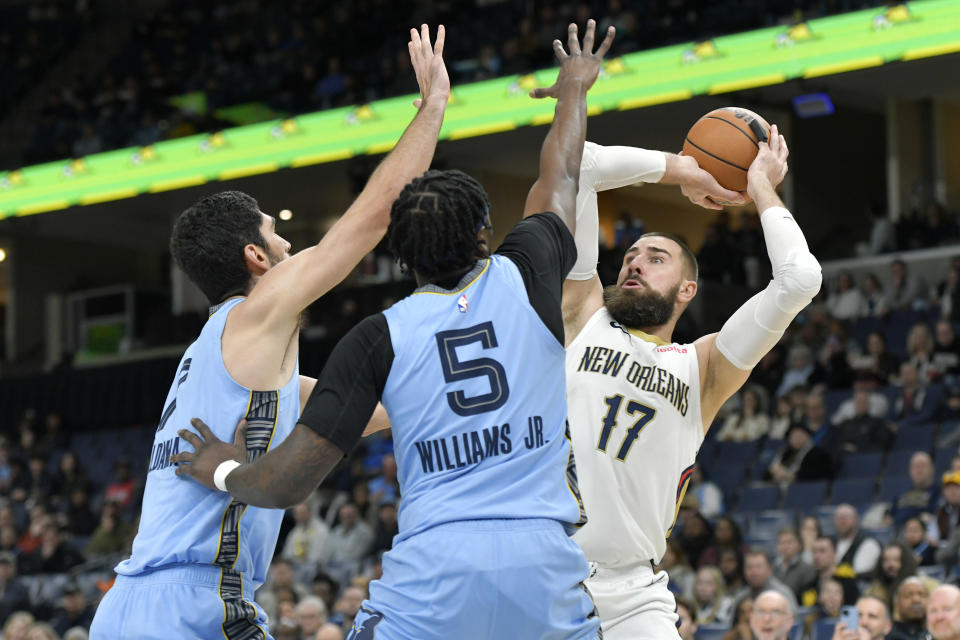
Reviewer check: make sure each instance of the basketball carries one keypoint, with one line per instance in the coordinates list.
(724, 143)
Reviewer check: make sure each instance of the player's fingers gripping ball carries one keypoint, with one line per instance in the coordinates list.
(724, 142)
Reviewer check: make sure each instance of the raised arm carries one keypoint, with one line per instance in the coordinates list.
(726, 358)
(556, 187)
(274, 305)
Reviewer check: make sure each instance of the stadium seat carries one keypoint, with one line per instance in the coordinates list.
(898, 462)
(891, 487)
(852, 491)
(711, 631)
(937, 572)
(805, 495)
(767, 524)
(741, 452)
(861, 465)
(915, 438)
(883, 535)
(728, 478)
(943, 457)
(823, 629)
(758, 498)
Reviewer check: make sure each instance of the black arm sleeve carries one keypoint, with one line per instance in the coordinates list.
(351, 384)
(544, 251)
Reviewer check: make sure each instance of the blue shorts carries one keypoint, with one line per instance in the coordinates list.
(181, 601)
(478, 580)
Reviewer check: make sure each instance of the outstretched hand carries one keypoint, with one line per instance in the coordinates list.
(208, 452)
(703, 189)
(770, 165)
(581, 66)
(428, 64)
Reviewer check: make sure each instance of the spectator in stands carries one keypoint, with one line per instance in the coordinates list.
(910, 611)
(920, 500)
(731, 567)
(121, 489)
(769, 371)
(782, 419)
(348, 605)
(800, 460)
(360, 497)
(863, 431)
(915, 537)
(895, 564)
(52, 556)
(877, 362)
(789, 567)
(751, 422)
(42, 631)
(948, 295)
(708, 495)
(740, 627)
(920, 352)
(875, 623)
(78, 518)
(325, 588)
(679, 570)
(917, 403)
(385, 487)
(835, 353)
(13, 593)
(74, 611)
(387, 527)
(759, 577)
(726, 535)
(39, 481)
(846, 301)
(943, 613)
(829, 600)
(695, 535)
(112, 535)
(311, 615)
(351, 539)
(17, 626)
(710, 596)
(330, 632)
(772, 616)
(281, 577)
(907, 291)
(54, 436)
(802, 370)
(687, 614)
(946, 349)
(69, 477)
(815, 417)
(33, 536)
(309, 540)
(943, 529)
(825, 562)
(874, 296)
(854, 548)
(8, 538)
(879, 405)
(809, 532)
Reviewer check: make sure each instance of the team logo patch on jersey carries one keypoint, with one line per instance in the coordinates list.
(365, 624)
(462, 304)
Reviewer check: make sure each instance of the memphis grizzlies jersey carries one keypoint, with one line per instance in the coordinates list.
(634, 413)
(476, 402)
(182, 521)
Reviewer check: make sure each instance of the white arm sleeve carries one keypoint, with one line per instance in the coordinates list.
(605, 168)
(758, 325)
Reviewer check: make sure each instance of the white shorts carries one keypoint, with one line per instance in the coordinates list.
(634, 602)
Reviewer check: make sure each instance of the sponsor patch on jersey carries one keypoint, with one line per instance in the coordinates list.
(672, 347)
(462, 304)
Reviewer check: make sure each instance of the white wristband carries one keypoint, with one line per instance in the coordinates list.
(220, 475)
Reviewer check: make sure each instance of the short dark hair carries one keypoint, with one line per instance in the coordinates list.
(692, 271)
(434, 223)
(689, 605)
(208, 240)
(833, 543)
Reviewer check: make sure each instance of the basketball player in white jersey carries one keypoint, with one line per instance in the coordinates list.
(639, 404)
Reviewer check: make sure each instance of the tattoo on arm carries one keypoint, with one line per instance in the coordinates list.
(285, 476)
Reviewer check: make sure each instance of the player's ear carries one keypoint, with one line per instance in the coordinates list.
(688, 289)
(256, 259)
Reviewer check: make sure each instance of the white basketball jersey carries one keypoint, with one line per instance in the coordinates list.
(634, 413)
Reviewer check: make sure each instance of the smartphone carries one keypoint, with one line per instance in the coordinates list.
(850, 617)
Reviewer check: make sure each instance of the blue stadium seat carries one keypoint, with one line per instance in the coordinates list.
(805, 495)
(898, 462)
(767, 524)
(915, 438)
(891, 487)
(937, 572)
(728, 478)
(823, 629)
(758, 498)
(943, 457)
(883, 535)
(852, 491)
(834, 398)
(711, 631)
(861, 465)
(742, 452)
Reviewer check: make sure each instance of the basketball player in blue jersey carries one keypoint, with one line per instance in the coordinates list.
(470, 370)
(639, 404)
(199, 554)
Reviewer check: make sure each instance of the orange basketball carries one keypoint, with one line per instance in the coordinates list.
(724, 143)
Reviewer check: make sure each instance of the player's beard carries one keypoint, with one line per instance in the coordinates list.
(637, 309)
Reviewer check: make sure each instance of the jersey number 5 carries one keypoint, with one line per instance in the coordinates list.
(645, 414)
(455, 370)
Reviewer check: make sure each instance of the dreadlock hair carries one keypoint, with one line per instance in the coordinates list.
(208, 240)
(434, 223)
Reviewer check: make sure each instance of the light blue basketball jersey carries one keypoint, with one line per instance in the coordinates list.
(476, 398)
(182, 521)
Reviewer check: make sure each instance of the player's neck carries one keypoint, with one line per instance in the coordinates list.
(444, 281)
(662, 333)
